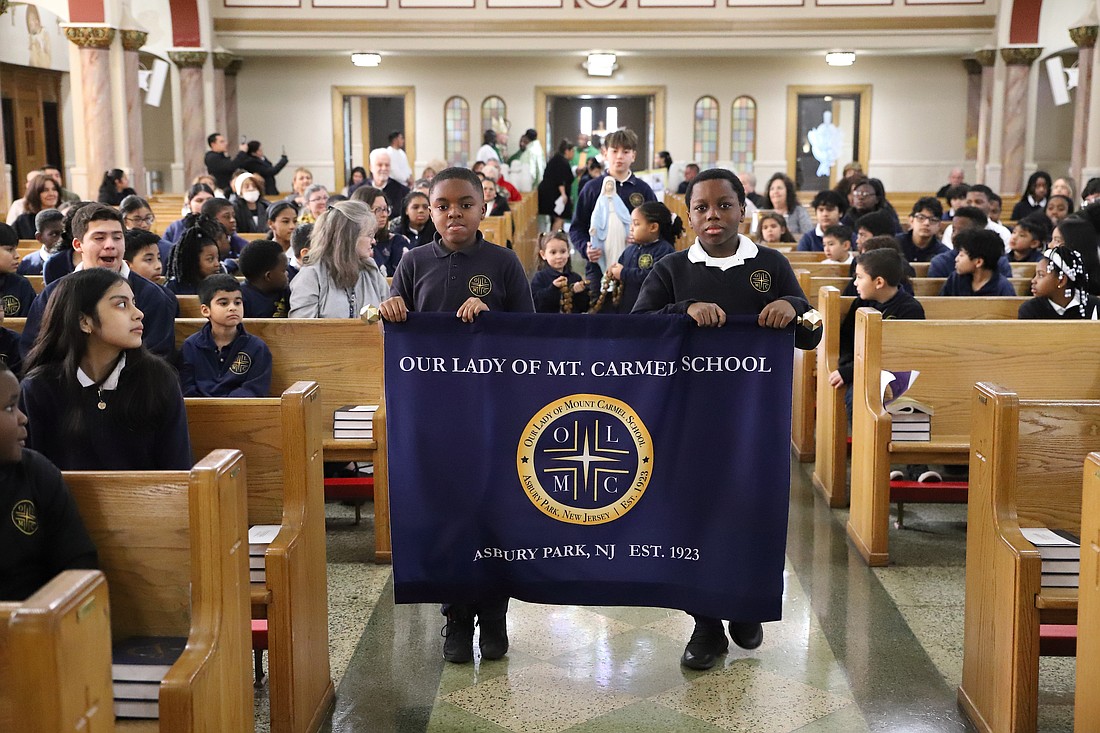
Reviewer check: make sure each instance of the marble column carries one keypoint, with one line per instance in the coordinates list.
(973, 106)
(222, 59)
(5, 179)
(132, 41)
(232, 123)
(987, 58)
(1018, 61)
(190, 63)
(1085, 38)
(95, 94)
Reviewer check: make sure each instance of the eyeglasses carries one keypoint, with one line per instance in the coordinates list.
(320, 200)
(924, 218)
(146, 220)
(379, 210)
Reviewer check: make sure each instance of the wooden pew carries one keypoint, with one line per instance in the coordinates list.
(1086, 703)
(27, 247)
(174, 548)
(952, 356)
(55, 657)
(922, 286)
(1025, 471)
(281, 442)
(189, 306)
(36, 282)
(252, 236)
(830, 473)
(345, 358)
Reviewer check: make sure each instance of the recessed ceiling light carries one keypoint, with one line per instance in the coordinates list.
(840, 58)
(600, 64)
(366, 59)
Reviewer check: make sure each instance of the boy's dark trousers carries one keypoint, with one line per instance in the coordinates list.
(491, 609)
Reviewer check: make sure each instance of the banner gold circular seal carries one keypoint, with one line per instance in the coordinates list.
(585, 459)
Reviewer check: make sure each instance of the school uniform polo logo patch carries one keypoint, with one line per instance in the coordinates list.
(636, 200)
(11, 305)
(761, 280)
(24, 517)
(645, 261)
(241, 364)
(481, 285)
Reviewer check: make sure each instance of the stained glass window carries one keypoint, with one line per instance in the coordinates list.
(493, 108)
(456, 131)
(743, 133)
(706, 131)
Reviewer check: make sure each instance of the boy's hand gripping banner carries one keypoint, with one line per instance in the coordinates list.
(629, 461)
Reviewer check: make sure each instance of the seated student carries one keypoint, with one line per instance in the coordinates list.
(1091, 192)
(143, 254)
(266, 289)
(9, 348)
(1058, 208)
(838, 245)
(882, 241)
(879, 274)
(48, 225)
(98, 241)
(50, 536)
(555, 288)
(281, 220)
(299, 248)
(16, 292)
(193, 201)
(956, 199)
(690, 171)
(224, 360)
(995, 204)
(223, 212)
(415, 222)
(1029, 238)
(67, 258)
(981, 197)
(1079, 234)
(978, 252)
(194, 258)
(829, 206)
(1035, 195)
(773, 229)
(496, 204)
(96, 399)
(1060, 287)
(920, 243)
(967, 217)
(653, 229)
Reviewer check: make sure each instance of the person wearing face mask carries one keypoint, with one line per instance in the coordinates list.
(248, 204)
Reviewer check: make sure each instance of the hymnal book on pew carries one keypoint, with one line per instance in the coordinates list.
(136, 690)
(354, 412)
(341, 434)
(354, 422)
(1053, 544)
(260, 536)
(149, 709)
(145, 658)
(910, 420)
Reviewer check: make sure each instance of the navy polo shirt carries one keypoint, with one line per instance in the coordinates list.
(258, 304)
(241, 369)
(913, 253)
(16, 295)
(433, 278)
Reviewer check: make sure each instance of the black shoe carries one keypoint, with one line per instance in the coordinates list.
(494, 637)
(746, 634)
(458, 635)
(707, 643)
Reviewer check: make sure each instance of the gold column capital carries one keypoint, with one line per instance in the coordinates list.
(90, 36)
(986, 56)
(1084, 35)
(972, 66)
(223, 60)
(195, 59)
(133, 40)
(234, 66)
(1020, 55)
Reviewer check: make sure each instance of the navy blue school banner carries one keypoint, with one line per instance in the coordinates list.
(632, 461)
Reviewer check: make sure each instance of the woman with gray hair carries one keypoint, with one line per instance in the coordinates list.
(341, 276)
(315, 200)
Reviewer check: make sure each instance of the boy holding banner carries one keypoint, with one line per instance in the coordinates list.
(724, 273)
(462, 273)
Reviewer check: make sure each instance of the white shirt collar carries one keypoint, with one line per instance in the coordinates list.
(291, 259)
(44, 253)
(125, 271)
(819, 231)
(1072, 304)
(746, 250)
(110, 383)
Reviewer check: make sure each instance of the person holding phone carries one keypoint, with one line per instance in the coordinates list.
(218, 162)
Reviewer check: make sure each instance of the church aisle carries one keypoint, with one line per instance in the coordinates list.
(857, 649)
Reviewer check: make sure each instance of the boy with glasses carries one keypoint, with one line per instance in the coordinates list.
(920, 243)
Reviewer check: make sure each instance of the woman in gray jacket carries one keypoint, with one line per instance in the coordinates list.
(341, 275)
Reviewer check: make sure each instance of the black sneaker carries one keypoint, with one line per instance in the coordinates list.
(747, 634)
(707, 643)
(494, 637)
(458, 635)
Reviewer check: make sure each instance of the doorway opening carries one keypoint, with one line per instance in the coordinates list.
(827, 127)
(362, 119)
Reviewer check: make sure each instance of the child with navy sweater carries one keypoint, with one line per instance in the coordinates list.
(554, 286)
(96, 399)
(16, 292)
(1029, 238)
(652, 230)
(224, 360)
(194, 258)
(1061, 288)
(979, 251)
(48, 226)
(266, 289)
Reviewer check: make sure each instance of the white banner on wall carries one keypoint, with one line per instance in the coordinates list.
(32, 36)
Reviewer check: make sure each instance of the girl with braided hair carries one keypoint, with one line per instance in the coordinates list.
(1061, 288)
(195, 257)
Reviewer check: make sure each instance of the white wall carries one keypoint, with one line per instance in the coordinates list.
(916, 137)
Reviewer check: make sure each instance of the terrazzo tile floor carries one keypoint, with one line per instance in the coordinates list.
(858, 649)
